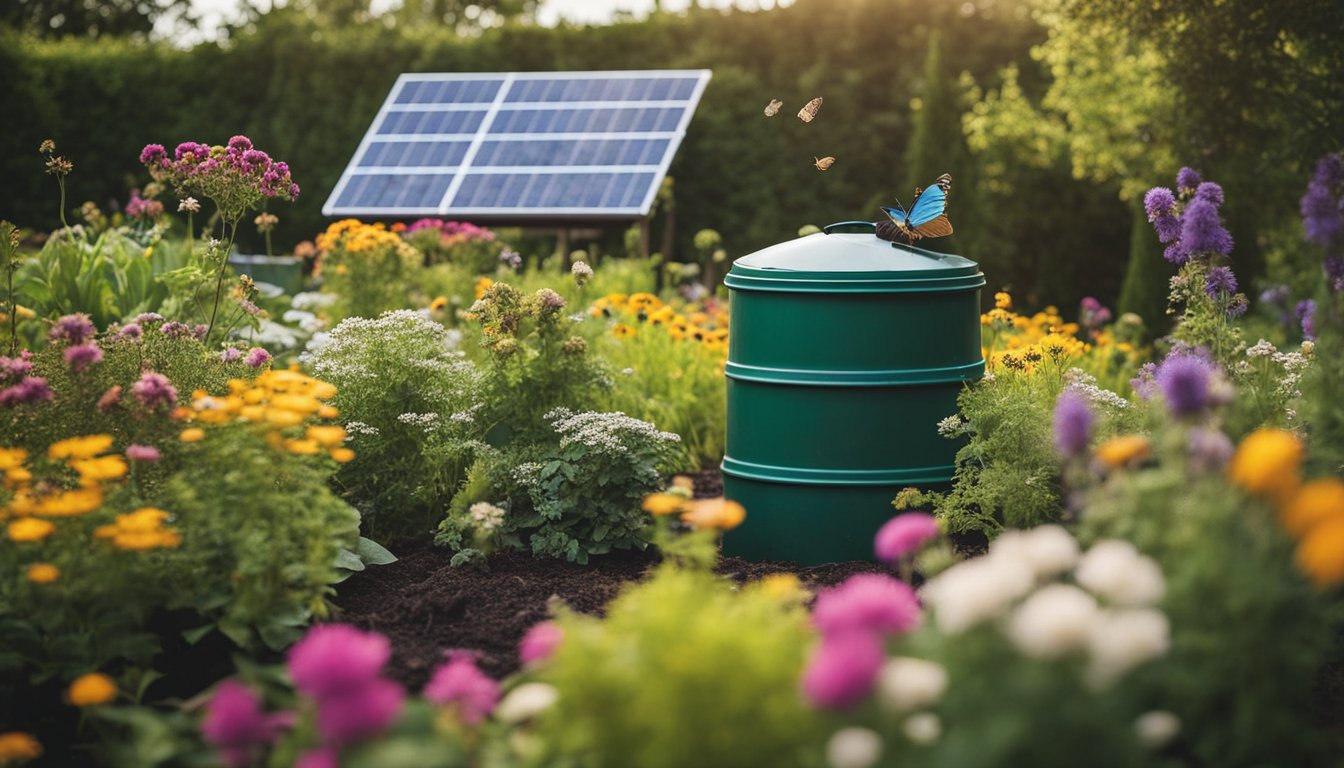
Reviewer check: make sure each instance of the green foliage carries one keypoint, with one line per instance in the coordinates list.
(1322, 409)
(1143, 291)
(684, 670)
(411, 406)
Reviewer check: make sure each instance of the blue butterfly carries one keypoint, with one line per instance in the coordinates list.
(928, 212)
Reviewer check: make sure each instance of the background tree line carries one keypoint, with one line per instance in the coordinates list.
(1052, 115)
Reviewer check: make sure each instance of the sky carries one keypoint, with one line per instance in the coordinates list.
(550, 13)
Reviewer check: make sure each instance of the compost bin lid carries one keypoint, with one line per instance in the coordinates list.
(847, 261)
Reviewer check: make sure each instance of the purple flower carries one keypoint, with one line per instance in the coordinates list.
(230, 355)
(1176, 253)
(200, 330)
(144, 453)
(348, 716)
(1187, 179)
(842, 669)
(1201, 230)
(257, 357)
(904, 535)
(81, 356)
(33, 389)
(1321, 215)
(334, 658)
(1237, 306)
(14, 368)
(540, 642)
(1210, 449)
(154, 390)
(293, 192)
(871, 602)
(75, 329)
(1184, 380)
(175, 330)
(240, 143)
(1158, 202)
(128, 332)
(235, 724)
(145, 318)
(1209, 192)
(1074, 421)
(461, 685)
(1220, 280)
(1145, 383)
(152, 153)
(191, 150)
(1306, 315)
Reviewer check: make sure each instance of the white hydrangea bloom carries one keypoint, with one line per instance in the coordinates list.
(1113, 569)
(923, 729)
(906, 684)
(1122, 640)
(526, 702)
(486, 516)
(976, 590)
(853, 748)
(1056, 620)
(1048, 550)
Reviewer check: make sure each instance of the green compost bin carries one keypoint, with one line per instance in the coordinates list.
(844, 353)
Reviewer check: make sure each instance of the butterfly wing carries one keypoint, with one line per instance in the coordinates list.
(939, 227)
(897, 215)
(809, 110)
(928, 205)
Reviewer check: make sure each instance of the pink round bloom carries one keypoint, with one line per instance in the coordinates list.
(868, 602)
(154, 390)
(152, 153)
(461, 684)
(257, 357)
(33, 389)
(335, 658)
(358, 713)
(231, 354)
(81, 356)
(111, 399)
(129, 332)
(322, 757)
(843, 669)
(240, 143)
(76, 329)
(145, 453)
(540, 642)
(235, 724)
(904, 535)
(14, 368)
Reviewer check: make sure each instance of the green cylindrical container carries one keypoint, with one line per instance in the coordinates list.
(844, 353)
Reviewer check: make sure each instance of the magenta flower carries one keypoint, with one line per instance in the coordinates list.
(145, 453)
(175, 330)
(128, 332)
(257, 357)
(461, 685)
(904, 535)
(153, 153)
(540, 642)
(81, 356)
(33, 389)
(14, 368)
(842, 669)
(323, 757)
(154, 390)
(145, 318)
(1073, 423)
(869, 602)
(235, 724)
(349, 715)
(335, 658)
(75, 329)
(240, 143)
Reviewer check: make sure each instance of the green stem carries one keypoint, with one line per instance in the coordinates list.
(13, 314)
(231, 231)
(65, 226)
(190, 245)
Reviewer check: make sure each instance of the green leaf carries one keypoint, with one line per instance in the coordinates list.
(373, 553)
(349, 561)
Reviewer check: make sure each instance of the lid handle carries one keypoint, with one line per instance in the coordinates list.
(865, 224)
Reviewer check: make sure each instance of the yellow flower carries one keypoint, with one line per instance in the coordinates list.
(140, 530)
(101, 468)
(30, 529)
(663, 504)
(326, 436)
(1320, 554)
(1314, 503)
(328, 412)
(12, 458)
(343, 455)
(683, 482)
(621, 330)
(784, 587)
(483, 285)
(17, 745)
(438, 303)
(280, 417)
(302, 404)
(193, 435)
(43, 573)
(1002, 300)
(1123, 450)
(714, 513)
(1267, 462)
(80, 447)
(23, 312)
(302, 447)
(71, 503)
(17, 475)
(91, 689)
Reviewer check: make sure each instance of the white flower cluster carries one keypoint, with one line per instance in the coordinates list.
(310, 300)
(603, 432)
(305, 320)
(353, 428)
(1262, 348)
(486, 516)
(467, 416)
(1109, 615)
(952, 426)
(425, 421)
(1085, 384)
(357, 337)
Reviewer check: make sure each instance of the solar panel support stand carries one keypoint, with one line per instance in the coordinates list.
(644, 237)
(562, 243)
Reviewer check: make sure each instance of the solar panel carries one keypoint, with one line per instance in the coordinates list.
(520, 145)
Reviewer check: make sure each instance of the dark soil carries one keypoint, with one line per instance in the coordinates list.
(427, 607)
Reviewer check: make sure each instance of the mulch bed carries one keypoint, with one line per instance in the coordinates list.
(425, 606)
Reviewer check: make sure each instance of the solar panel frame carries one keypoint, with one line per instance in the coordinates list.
(611, 100)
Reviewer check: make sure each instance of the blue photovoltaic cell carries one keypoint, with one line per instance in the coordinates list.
(414, 154)
(422, 122)
(554, 190)
(420, 190)
(514, 145)
(641, 119)
(572, 152)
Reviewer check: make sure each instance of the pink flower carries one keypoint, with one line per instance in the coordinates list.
(145, 453)
(30, 390)
(257, 357)
(323, 757)
(230, 355)
(540, 642)
(336, 658)
(80, 356)
(236, 725)
(74, 328)
(870, 602)
(111, 399)
(154, 390)
(353, 714)
(459, 683)
(904, 535)
(843, 669)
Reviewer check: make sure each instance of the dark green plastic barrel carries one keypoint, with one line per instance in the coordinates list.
(844, 353)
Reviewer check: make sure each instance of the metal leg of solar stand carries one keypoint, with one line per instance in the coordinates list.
(562, 245)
